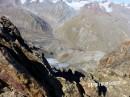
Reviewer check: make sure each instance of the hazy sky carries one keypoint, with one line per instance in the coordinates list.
(121, 1)
(118, 1)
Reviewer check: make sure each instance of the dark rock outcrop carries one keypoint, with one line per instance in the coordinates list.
(22, 73)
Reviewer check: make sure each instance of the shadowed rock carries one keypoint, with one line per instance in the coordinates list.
(71, 77)
(14, 52)
(11, 33)
(22, 58)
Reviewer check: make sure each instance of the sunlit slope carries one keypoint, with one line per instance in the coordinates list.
(94, 30)
(32, 27)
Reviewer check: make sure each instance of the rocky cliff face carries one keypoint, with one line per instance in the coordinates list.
(23, 74)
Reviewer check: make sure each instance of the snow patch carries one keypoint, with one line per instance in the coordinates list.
(76, 5)
(41, 1)
(23, 1)
(106, 6)
(79, 4)
(52, 61)
(55, 63)
(55, 1)
(33, 1)
(126, 5)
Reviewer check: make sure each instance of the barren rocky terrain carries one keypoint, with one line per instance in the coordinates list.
(61, 51)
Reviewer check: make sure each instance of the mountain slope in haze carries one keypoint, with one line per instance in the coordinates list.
(29, 24)
(53, 12)
(94, 29)
(90, 32)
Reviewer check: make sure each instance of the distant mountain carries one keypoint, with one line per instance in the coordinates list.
(31, 25)
(68, 32)
(53, 12)
(93, 28)
(78, 4)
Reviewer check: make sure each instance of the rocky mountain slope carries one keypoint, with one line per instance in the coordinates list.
(32, 27)
(90, 45)
(25, 73)
(65, 33)
(20, 67)
(92, 26)
(92, 31)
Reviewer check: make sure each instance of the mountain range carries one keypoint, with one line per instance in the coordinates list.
(74, 37)
(67, 32)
